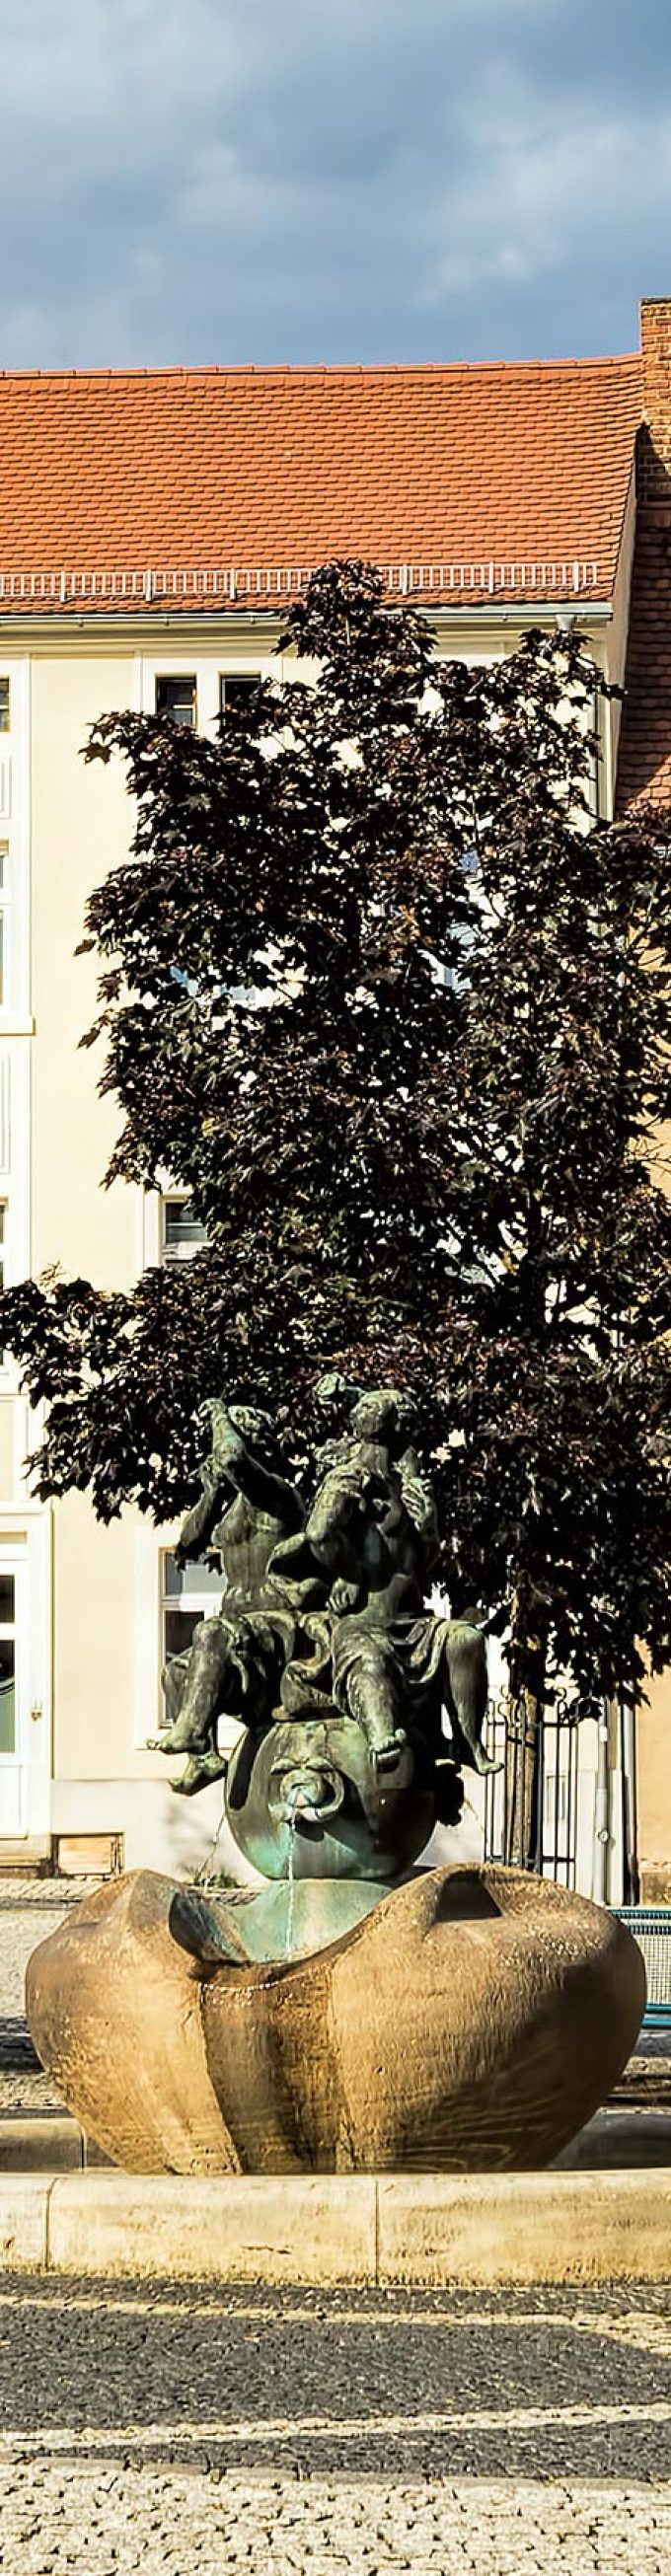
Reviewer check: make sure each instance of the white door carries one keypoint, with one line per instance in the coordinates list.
(14, 1692)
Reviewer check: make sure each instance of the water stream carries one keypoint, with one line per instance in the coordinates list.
(206, 1873)
(291, 1878)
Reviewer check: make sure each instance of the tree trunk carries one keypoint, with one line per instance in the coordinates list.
(523, 1809)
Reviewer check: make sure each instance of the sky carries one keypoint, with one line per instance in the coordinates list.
(316, 181)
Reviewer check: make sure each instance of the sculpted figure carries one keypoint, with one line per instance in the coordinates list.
(235, 1662)
(372, 1528)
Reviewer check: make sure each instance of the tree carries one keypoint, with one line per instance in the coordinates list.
(381, 997)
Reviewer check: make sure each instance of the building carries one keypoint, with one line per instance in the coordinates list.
(152, 528)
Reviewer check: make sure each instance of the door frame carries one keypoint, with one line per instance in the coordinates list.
(26, 1551)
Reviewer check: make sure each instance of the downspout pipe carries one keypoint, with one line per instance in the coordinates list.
(602, 1812)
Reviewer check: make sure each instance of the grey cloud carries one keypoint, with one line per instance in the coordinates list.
(314, 179)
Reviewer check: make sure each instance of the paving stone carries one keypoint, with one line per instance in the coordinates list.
(174, 2429)
(30, 1908)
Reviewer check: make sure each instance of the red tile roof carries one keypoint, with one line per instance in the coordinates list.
(476, 478)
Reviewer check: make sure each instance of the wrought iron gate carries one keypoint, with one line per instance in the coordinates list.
(535, 1789)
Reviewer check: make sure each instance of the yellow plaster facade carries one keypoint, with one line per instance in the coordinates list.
(88, 1601)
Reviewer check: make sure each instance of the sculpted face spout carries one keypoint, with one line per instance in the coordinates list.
(305, 1793)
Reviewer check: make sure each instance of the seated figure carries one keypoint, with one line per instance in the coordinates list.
(372, 1529)
(234, 1664)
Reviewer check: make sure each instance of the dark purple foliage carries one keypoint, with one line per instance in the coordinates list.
(375, 994)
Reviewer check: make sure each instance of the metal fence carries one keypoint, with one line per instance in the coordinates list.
(531, 1816)
(651, 1926)
(531, 1801)
(211, 586)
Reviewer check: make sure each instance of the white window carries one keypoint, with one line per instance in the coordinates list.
(200, 697)
(14, 1643)
(14, 1166)
(181, 1232)
(8, 1659)
(8, 1263)
(188, 1594)
(176, 697)
(5, 926)
(234, 690)
(15, 789)
(25, 1673)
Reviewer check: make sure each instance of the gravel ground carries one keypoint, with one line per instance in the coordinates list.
(179, 2430)
(203, 2432)
(29, 1910)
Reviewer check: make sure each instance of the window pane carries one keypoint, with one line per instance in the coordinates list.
(234, 690)
(177, 698)
(190, 1593)
(7, 1696)
(7, 1613)
(182, 1231)
(178, 1630)
(192, 1580)
(4, 706)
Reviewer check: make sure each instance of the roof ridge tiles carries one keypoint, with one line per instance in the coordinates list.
(327, 371)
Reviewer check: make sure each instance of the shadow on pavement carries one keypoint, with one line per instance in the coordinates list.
(556, 2384)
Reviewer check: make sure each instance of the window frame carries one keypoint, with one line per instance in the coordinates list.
(15, 1249)
(194, 1598)
(210, 667)
(15, 843)
(6, 938)
(178, 680)
(247, 680)
(10, 1634)
(172, 1258)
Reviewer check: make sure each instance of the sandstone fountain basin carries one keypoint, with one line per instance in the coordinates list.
(472, 2020)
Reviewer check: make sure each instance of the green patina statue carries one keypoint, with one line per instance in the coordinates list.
(324, 1648)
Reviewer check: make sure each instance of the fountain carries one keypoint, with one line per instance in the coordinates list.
(351, 2011)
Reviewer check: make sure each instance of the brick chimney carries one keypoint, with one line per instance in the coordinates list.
(644, 763)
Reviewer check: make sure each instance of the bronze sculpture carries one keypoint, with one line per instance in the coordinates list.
(324, 1647)
(374, 2015)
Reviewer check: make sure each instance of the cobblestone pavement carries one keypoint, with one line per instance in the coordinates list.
(29, 1910)
(197, 2432)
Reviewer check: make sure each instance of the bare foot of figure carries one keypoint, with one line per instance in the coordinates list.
(386, 1756)
(201, 1768)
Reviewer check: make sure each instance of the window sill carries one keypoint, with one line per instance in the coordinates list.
(13, 1026)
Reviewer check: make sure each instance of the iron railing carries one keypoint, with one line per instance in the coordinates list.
(651, 1926)
(235, 585)
(531, 1801)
